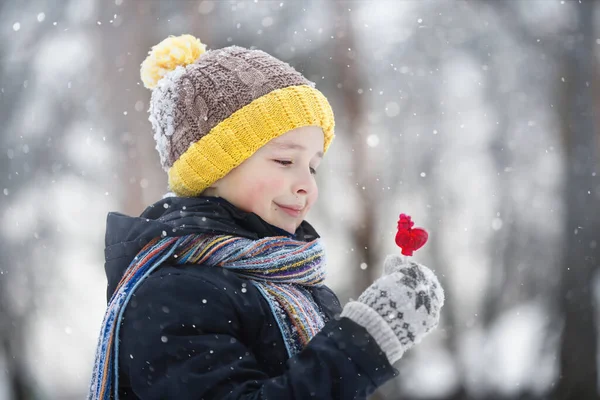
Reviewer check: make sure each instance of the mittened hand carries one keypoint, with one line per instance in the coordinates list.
(400, 308)
(410, 298)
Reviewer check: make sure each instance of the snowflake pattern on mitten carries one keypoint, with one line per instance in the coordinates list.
(409, 300)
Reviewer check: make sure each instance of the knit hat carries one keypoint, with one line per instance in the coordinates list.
(211, 110)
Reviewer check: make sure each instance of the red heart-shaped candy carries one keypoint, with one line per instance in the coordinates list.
(411, 239)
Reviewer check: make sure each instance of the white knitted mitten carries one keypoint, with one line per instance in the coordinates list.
(400, 307)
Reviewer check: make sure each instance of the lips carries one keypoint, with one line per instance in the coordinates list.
(294, 211)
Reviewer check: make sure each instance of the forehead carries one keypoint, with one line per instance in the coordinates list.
(303, 138)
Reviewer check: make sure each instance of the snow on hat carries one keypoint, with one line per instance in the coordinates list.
(211, 110)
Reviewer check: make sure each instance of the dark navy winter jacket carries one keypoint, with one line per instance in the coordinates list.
(198, 332)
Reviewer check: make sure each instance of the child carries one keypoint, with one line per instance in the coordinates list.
(216, 292)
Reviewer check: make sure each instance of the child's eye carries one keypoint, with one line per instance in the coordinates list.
(283, 162)
(313, 171)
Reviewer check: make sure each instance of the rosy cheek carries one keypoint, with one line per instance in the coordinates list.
(270, 186)
(314, 196)
(253, 199)
(262, 192)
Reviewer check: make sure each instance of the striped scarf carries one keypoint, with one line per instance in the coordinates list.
(279, 267)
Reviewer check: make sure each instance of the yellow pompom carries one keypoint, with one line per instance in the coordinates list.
(167, 55)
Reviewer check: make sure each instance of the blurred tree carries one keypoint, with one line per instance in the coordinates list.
(351, 77)
(579, 349)
(580, 264)
(124, 46)
(23, 164)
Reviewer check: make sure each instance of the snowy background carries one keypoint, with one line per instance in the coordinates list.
(477, 118)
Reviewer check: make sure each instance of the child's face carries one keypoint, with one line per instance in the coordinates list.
(277, 182)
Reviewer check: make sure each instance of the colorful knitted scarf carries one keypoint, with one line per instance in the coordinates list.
(279, 267)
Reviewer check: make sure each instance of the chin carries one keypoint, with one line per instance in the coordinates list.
(288, 228)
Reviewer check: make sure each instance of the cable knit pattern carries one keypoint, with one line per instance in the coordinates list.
(407, 301)
(189, 101)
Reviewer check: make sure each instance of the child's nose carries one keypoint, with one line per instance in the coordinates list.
(305, 184)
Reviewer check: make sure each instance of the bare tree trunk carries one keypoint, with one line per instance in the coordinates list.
(20, 173)
(503, 249)
(125, 45)
(351, 78)
(578, 359)
(20, 384)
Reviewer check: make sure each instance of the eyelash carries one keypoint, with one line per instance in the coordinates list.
(286, 163)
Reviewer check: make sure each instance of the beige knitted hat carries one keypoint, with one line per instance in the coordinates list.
(211, 110)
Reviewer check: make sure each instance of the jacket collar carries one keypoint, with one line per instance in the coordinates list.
(178, 216)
